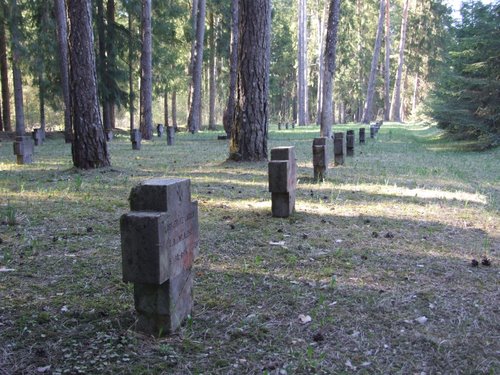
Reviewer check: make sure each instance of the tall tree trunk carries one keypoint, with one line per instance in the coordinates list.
(321, 42)
(4, 73)
(146, 112)
(89, 146)
(174, 109)
(396, 93)
(302, 90)
(131, 94)
(194, 25)
(165, 107)
(373, 71)
(41, 98)
(102, 69)
(212, 71)
(330, 65)
(233, 68)
(62, 42)
(251, 121)
(16, 70)
(387, 72)
(194, 118)
(111, 60)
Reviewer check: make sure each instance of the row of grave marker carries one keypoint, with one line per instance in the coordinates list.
(160, 236)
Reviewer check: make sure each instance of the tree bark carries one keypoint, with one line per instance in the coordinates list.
(16, 70)
(302, 89)
(146, 111)
(387, 72)
(330, 65)
(396, 94)
(414, 101)
(194, 118)
(212, 71)
(367, 117)
(249, 133)
(233, 68)
(4, 67)
(89, 146)
(41, 98)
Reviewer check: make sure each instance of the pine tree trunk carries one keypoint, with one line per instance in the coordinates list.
(41, 98)
(249, 133)
(4, 74)
(102, 70)
(194, 118)
(131, 93)
(16, 70)
(387, 72)
(233, 69)
(414, 101)
(321, 42)
(174, 109)
(302, 91)
(62, 42)
(373, 71)
(330, 65)
(89, 146)
(212, 71)
(111, 59)
(146, 110)
(194, 22)
(396, 94)
(165, 107)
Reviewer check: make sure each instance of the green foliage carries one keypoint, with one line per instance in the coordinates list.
(466, 100)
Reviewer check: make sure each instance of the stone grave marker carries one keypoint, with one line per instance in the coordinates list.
(320, 158)
(136, 137)
(339, 148)
(372, 131)
(37, 136)
(159, 241)
(282, 180)
(160, 129)
(362, 135)
(23, 149)
(350, 139)
(170, 135)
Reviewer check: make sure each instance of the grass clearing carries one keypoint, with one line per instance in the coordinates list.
(385, 240)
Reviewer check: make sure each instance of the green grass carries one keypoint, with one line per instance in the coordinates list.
(386, 239)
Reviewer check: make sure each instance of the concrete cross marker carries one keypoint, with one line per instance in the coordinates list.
(282, 180)
(350, 138)
(23, 149)
(160, 239)
(170, 135)
(362, 135)
(135, 137)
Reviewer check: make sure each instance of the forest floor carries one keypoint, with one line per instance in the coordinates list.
(378, 256)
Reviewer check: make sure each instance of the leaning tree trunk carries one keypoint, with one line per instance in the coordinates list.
(396, 93)
(146, 112)
(330, 65)
(373, 72)
(233, 69)
(62, 42)
(89, 146)
(16, 70)
(194, 118)
(249, 133)
(4, 74)
(212, 73)
(387, 73)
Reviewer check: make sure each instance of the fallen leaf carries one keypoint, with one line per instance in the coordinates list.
(43, 369)
(64, 309)
(7, 269)
(304, 319)
(422, 320)
(279, 243)
(349, 364)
